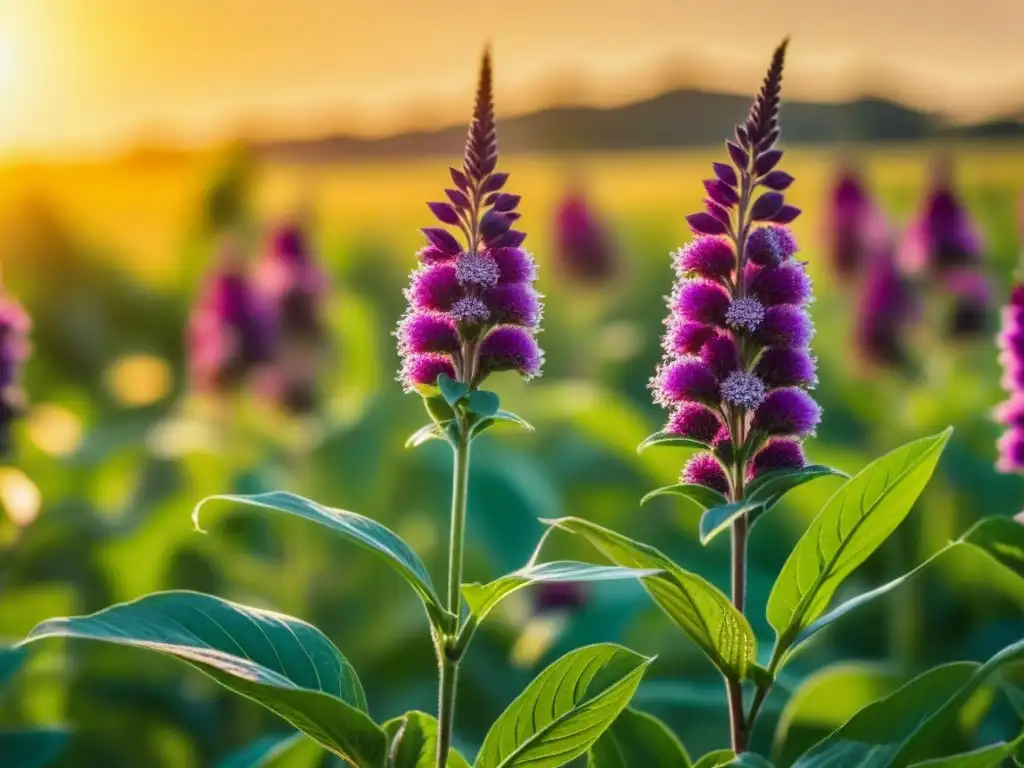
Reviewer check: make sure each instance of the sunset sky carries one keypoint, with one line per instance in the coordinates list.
(90, 75)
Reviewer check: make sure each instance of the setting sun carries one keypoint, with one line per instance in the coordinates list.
(6, 64)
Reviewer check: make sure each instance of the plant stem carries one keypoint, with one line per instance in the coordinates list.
(448, 656)
(737, 720)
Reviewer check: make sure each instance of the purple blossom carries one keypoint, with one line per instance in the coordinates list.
(855, 227)
(583, 245)
(780, 453)
(14, 350)
(704, 469)
(710, 257)
(736, 348)
(971, 298)
(231, 330)
(696, 422)
(886, 308)
(473, 309)
(511, 348)
(559, 597)
(1010, 414)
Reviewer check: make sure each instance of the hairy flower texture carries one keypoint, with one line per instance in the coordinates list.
(737, 363)
(855, 227)
(585, 251)
(943, 236)
(231, 330)
(14, 350)
(886, 308)
(473, 309)
(704, 469)
(1010, 414)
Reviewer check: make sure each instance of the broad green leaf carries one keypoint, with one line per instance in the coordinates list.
(283, 663)
(695, 605)
(361, 530)
(565, 709)
(702, 496)
(482, 598)
(11, 660)
(718, 519)
(423, 435)
(412, 742)
(772, 486)
(1002, 539)
(852, 525)
(991, 756)
(907, 726)
(31, 749)
(825, 701)
(438, 409)
(750, 760)
(453, 391)
(483, 403)
(716, 759)
(513, 419)
(294, 751)
(638, 739)
(670, 440)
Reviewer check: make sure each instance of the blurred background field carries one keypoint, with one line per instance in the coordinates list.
(107, 251)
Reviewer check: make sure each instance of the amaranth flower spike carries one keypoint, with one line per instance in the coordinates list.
(473, 309)
(737, 366)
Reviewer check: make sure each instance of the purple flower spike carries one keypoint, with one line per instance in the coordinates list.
(971, 298)
(695, 422)
(586, 253)
(511, 348)
(685, 380)
(473, 309)
(704, 469)
(788, 411)
(855, 227)
(14, 350)
(886, 308)
(737, 347)
(710, 257)
(1010, 414)
(780, 453)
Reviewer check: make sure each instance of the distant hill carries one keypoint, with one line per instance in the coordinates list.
(682, 118)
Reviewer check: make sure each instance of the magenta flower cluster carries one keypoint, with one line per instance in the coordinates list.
(737, 366)
(473, 308)
(586, 253)
(262, 323)
(14, 350)
(1011, 355)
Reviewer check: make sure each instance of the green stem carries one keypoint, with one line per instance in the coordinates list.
(449, 655)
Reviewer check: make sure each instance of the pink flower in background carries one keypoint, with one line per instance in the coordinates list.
(583, 245)
(855, 227)
(14, 350)
(1010, 414)
(886, 307)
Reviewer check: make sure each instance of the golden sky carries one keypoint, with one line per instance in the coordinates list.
(87, 75)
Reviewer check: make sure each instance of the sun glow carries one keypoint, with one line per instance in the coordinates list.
(7, 64)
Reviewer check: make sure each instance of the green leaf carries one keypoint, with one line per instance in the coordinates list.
(991, 756)
(452, 391)
(294, 751)
(750, 760)
(772, 486)
(361, 530)
(482, 598)
(700, 495)
(718, 519)
(513, 419)
(11, 660)
(825, 701)
(425, 434)
(31, 749)
(283, 663)
(638, 739)
(565, 710)
(852, 525)
(671, 440)
(483, 403)
(716, 759)
(412, 740)
(438, 409)
(906, 727)
(1002, 539)
(696, 606)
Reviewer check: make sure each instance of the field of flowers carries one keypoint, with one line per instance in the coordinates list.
(115, 448)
